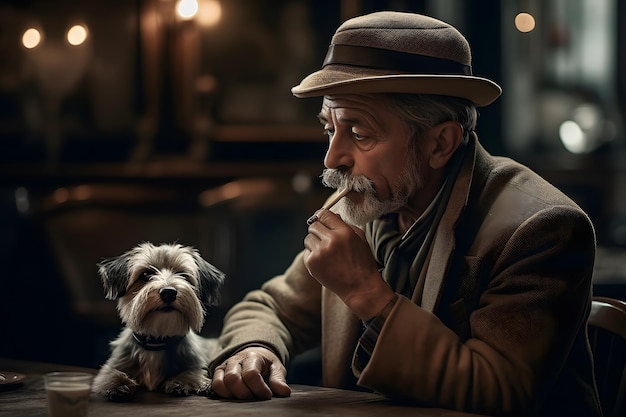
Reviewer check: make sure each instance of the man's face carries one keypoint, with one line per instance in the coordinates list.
(369, 152)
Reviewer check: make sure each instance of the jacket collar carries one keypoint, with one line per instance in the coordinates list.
(444, 241)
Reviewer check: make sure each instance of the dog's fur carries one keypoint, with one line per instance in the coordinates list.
(163, 292)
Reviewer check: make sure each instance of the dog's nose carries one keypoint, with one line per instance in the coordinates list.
(168, 294)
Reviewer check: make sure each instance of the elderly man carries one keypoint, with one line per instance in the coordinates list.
(446, 276)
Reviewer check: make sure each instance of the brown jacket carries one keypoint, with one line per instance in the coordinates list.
(501, 329)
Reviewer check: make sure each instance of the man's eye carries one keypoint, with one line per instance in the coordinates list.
(329, 133)
(358, 137)
(364, 142)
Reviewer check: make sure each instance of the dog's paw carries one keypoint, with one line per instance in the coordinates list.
(114, 384)
(206, 389)
(121, 393)
(182, 387)
(177, 388)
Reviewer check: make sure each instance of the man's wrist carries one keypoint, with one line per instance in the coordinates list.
(368, 339)
(367, 304)
(384, 313)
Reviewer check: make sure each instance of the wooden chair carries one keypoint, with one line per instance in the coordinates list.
(607, 335)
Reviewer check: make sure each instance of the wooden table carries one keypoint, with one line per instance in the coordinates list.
(29, 399)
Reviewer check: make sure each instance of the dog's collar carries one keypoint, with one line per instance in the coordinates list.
(149, 342)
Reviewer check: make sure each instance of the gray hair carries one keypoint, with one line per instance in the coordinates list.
(422, 112)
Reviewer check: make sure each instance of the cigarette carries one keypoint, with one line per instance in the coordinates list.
(328, 205)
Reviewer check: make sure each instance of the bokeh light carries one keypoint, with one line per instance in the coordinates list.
(573, 137)
(31, 38)
(187, 9)
(524, 22)
(210, 12)
(77, 35)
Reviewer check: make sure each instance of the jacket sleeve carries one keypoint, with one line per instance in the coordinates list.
(534, 306)
(284, 315)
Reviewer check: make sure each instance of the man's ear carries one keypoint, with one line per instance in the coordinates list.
(447, 137)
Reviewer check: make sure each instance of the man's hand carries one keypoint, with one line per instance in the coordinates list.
(339, 257)
(253, 373)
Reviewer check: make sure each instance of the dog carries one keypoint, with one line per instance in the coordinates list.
(162, 292)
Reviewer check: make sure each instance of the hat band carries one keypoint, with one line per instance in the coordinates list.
(365, 56)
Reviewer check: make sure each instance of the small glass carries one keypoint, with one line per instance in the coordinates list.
(68, 393)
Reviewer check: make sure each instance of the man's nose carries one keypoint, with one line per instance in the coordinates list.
(340, 151)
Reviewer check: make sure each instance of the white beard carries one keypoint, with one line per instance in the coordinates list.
(371, 208)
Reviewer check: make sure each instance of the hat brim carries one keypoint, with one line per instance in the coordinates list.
(349, 80)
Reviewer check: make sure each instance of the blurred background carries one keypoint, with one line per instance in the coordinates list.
(124, 121)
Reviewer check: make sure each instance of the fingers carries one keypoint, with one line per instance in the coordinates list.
(325, 221)
(277, 381)
(242, 381)
(312, 219)
(251, 376)
(327, 218)
(226, 381)
(243, 376)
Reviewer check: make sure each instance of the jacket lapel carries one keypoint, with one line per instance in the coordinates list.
(443, 244)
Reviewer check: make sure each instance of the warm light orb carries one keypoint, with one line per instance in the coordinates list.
(187, 9)
(524, 22)
(210, 12)
(31, 38)
(76, 35)
(61, 195)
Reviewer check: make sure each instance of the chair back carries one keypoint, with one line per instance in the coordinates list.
(607, 335)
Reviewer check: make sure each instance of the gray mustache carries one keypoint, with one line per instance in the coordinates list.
(337, 179)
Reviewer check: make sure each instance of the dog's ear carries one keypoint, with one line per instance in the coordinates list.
(115, 274)
(211, 280)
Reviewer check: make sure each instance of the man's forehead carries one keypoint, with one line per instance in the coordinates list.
(357, 106)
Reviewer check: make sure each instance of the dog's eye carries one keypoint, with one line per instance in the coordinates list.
(185, 275)
(146, 276)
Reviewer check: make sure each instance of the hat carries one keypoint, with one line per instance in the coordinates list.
(397, 52)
